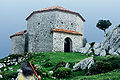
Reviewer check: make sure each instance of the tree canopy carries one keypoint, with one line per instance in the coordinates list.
(103, 24)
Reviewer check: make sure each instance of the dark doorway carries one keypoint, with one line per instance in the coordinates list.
(67, 45)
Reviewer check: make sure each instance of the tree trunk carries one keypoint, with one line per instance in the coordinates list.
(104, 32)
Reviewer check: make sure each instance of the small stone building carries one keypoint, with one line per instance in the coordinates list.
(50, 29)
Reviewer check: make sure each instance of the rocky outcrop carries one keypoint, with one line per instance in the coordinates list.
(10, 61)
(1, 76)
(1, 65)
(86, 49)
(84, 42)
(110, 44)
(7, 62)
(84, 64)
(67, 65)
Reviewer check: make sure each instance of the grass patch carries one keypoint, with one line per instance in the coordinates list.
(48, 60)
(56, 57)
(113, 75)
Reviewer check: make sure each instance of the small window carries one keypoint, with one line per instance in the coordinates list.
(38, 23)
(51, 22)
(71, 23)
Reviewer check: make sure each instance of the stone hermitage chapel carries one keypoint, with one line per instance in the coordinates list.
(50, 29)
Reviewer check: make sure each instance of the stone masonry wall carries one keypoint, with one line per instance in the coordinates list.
(69, 21)
(58, 41)
(18, 44)
(39, 28)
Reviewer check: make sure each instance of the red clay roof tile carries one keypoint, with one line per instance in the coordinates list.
(55, 8)
(66, 31)
(18, 34)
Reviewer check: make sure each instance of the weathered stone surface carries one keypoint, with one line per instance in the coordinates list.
(95, 48)
(96, 45)
(84, 64)
(118, 50)
(8, 63)
(19, 70)
(1, 76)
(111, 41)
(67, 65)
(110, 44)
(99, 52)
(1, 65)
(114, 53)
(84, 42)
(18, 44)
(51, 72)
(16, 63)
(102, 53)
(85, 49)
(19, 41)
(5, 69)
(59, 38)
(10, 68)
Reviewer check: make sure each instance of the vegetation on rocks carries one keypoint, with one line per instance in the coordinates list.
(62, 72)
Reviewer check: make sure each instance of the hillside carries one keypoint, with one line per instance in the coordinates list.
(46, 62)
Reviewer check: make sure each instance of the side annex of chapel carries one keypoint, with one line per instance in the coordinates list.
(50, 29)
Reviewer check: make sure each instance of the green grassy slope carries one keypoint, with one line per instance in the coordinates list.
(48, 60)
(54, 58)
(113, 75)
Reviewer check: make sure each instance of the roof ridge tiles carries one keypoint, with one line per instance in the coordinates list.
(66, 31)
(55, 7)
(18, 34)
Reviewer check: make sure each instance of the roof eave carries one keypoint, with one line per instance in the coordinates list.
(53, 10)
(67, 33)
(15, 35)
(18, 34)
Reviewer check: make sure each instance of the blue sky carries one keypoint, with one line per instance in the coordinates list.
(14, 12)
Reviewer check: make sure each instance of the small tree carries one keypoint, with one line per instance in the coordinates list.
(103, 25)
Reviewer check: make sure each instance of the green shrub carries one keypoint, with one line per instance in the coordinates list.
(100, 67)
(59, 64)
(42, 72)
(114, 60)
(71, 65)
(10, 75)
(62, 72)
(47, 64)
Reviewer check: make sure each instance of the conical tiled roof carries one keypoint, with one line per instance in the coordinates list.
(55, 8)
(18, 34)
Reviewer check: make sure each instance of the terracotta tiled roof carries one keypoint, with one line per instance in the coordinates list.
(55, 8)
(19, 33)
(66, 31)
